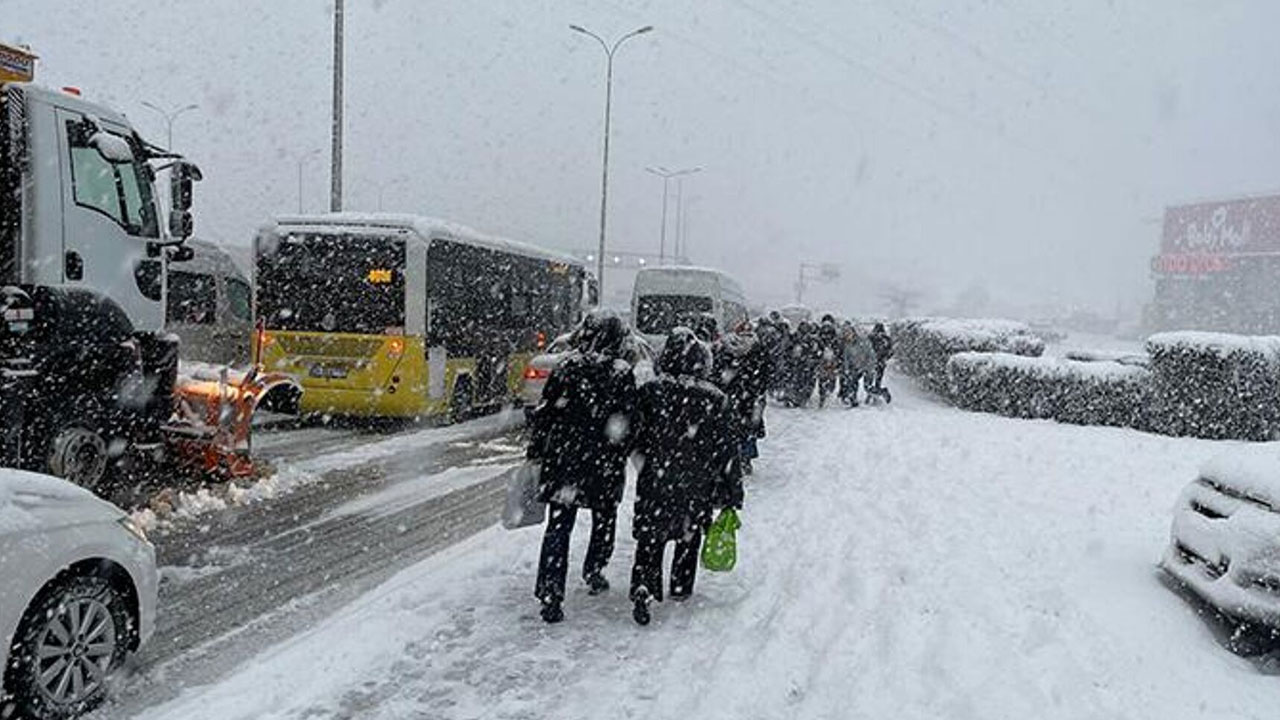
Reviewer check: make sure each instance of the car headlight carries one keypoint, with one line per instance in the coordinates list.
(133, 528)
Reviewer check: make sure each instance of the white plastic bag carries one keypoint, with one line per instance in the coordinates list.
(523, 508)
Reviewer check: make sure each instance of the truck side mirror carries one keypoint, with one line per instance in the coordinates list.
(112, 148)
(182, 178)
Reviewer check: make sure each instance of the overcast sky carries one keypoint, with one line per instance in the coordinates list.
(1023, 147)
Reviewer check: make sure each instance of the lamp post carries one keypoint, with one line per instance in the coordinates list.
(666, 176)
(303, 161)
(335, 169)
(609, 51)
(169, 116)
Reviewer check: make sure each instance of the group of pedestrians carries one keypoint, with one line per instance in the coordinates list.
(834, 357)
(691, 431)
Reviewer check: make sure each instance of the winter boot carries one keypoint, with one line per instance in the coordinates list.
(641, 611)
(596, 584)
(552, 612)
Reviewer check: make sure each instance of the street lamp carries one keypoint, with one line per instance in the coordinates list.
(609, 51)
(666, 176)
(169, 116)
(302, 160)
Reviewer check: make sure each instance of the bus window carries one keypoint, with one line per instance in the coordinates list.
(333, 283)
(193, 298)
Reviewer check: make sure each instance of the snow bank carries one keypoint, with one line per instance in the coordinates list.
(1083, 393)
(178, 505)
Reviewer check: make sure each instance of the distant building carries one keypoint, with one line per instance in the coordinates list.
(1219, 267)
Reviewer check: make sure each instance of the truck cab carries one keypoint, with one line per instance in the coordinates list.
(81, 242)
(78, 203)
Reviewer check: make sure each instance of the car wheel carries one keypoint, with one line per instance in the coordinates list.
(462, 408)
(70, 639)
(79, 455)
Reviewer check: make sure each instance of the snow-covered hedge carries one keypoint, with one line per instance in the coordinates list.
(1214, 385)
(922, 346)
(1084, 393)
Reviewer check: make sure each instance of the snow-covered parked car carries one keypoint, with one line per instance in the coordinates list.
(638, 352)
(1225, 542)
(77, 594)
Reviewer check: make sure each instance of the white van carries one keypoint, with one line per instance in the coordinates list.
(668, 297)
(209, 306)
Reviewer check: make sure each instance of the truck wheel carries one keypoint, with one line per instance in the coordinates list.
(71, 638)
(461, 409)
(79, 454)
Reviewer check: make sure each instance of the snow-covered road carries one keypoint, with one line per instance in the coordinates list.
(905, 562)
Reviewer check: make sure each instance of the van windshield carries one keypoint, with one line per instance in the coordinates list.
(657, 314)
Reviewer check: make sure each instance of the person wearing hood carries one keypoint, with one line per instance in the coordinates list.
(687, 449)
(581, 436)
(742, 372)
(828, 344)
(858, 365)
(883, 346)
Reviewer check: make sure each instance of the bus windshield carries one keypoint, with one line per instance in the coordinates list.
(332, 283)
(657, 314)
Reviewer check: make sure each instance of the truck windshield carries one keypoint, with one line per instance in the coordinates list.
(332, 283)
(657, 314)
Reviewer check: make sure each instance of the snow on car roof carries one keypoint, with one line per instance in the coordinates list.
(428, 228)
(1253, 471)
(21, 492)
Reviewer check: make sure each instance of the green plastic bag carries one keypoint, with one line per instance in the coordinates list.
(720, 548)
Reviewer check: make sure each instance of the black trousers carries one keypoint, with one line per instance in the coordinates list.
(877, 381)
(647, 572)
(553, 566)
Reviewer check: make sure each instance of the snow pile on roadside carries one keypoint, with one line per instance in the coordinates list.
(908, 562)
(171, 505)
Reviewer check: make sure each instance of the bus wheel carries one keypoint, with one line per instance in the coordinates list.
(461, 408)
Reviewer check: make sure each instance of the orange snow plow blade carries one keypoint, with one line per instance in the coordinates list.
(212, 422)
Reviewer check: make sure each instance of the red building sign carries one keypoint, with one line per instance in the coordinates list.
(1202, 238)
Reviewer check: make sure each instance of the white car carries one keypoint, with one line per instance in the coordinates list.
(637, 352)
(1225, 541)
(78, 594)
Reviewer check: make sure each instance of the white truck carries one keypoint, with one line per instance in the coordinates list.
(88, 376)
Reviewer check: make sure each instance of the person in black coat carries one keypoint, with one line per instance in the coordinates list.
(743, 371)
(686, 445)
(883, 346)
(580, 434)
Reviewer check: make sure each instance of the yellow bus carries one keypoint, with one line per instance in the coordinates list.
(403, 316)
